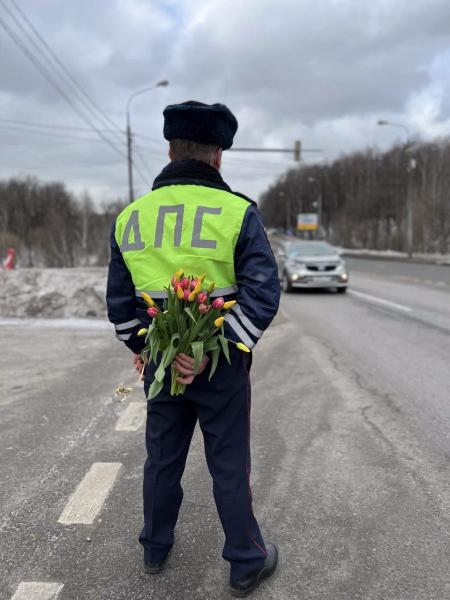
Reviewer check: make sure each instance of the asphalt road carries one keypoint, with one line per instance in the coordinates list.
(351, 447)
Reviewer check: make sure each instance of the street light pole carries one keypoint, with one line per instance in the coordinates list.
(409, 204)
(163, 83)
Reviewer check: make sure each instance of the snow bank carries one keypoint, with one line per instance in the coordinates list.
(53, 293)
(442, 259)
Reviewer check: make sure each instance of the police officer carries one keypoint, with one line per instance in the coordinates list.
(192, 220)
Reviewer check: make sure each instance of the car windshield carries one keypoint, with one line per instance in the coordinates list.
(310, 249)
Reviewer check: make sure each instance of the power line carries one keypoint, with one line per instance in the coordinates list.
(39, 66)
(46, 68)
(64, 136)
(53, 126)
(86, 99)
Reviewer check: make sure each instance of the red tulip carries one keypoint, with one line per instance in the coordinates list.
(202, 297)
(218, 303)
(204, 309)
(152, 311)
(185, 284)
(186, 295)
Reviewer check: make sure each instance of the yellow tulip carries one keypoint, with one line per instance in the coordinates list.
(242, 347)
(219, 322)
(180, 293)
(202, 278)
(211, 287)
(192, 296)
(228, 304)
(142, 331)
(198, 287)
(179, 273)
(148, 299)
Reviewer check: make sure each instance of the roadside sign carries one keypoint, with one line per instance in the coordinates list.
(307, 221)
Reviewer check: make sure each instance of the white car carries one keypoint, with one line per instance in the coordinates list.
(310, 264)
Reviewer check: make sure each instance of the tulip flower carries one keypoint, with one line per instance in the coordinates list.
(152, 312)
(204, 309)
(211, 287)
(142, 331)
(148, 299)
(180, 293)
(202, 277)
(242, 347)
(186, 295)
(202, 298)
(229, 304)
(194, 284)
(192, 296)
(219, 322)
(185, 283)
(218, 303)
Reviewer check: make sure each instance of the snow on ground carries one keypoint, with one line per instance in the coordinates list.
(53, 293)
(443, 259)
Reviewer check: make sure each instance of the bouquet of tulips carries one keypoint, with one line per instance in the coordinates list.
(190, 322)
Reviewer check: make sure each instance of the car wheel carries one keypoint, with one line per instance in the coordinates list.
(286, 284)
(342, 290)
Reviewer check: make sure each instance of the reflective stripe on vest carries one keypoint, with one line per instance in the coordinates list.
(189, 227)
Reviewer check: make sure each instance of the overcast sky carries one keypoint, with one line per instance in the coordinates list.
(323, 71)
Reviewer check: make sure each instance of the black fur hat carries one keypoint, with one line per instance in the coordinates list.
(207, 123)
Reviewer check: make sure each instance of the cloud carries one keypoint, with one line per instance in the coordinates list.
(321, 71)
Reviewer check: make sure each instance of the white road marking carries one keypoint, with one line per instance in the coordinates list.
(382, 301)
(90, 494)
(37, 590)
(133, 417)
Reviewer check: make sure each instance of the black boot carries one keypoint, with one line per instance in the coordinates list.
(155, 567)
(245, 586)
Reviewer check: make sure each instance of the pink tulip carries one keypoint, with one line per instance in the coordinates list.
(218, 303)
(185, 283)
(202, 297)
(194, 284)
(152, 311)
(186, 295)
(204, 309)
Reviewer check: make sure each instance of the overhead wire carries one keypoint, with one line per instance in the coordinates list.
(90, 104)
(54, 126)
(47, 69)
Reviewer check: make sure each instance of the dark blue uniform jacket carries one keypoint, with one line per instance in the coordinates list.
(256, 272)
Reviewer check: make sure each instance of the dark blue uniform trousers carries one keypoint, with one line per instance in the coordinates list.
(222, 407)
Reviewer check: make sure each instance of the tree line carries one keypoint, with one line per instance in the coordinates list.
(50, 227)
(363, 198)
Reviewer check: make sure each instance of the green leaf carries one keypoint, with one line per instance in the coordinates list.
(154, 390)
(197, 351)
(210, 344)
(224, 343)
(215, 353)
(154, 349)
(171, 350)
(188, 311)
(161, 370)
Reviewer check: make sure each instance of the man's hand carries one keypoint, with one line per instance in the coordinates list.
(184, 364)
(138, 363)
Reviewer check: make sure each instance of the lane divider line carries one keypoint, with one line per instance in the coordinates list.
(133, 417)
(381, 301)
(37, 590)
(89, 496)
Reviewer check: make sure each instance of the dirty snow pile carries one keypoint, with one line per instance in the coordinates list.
(53, 293)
